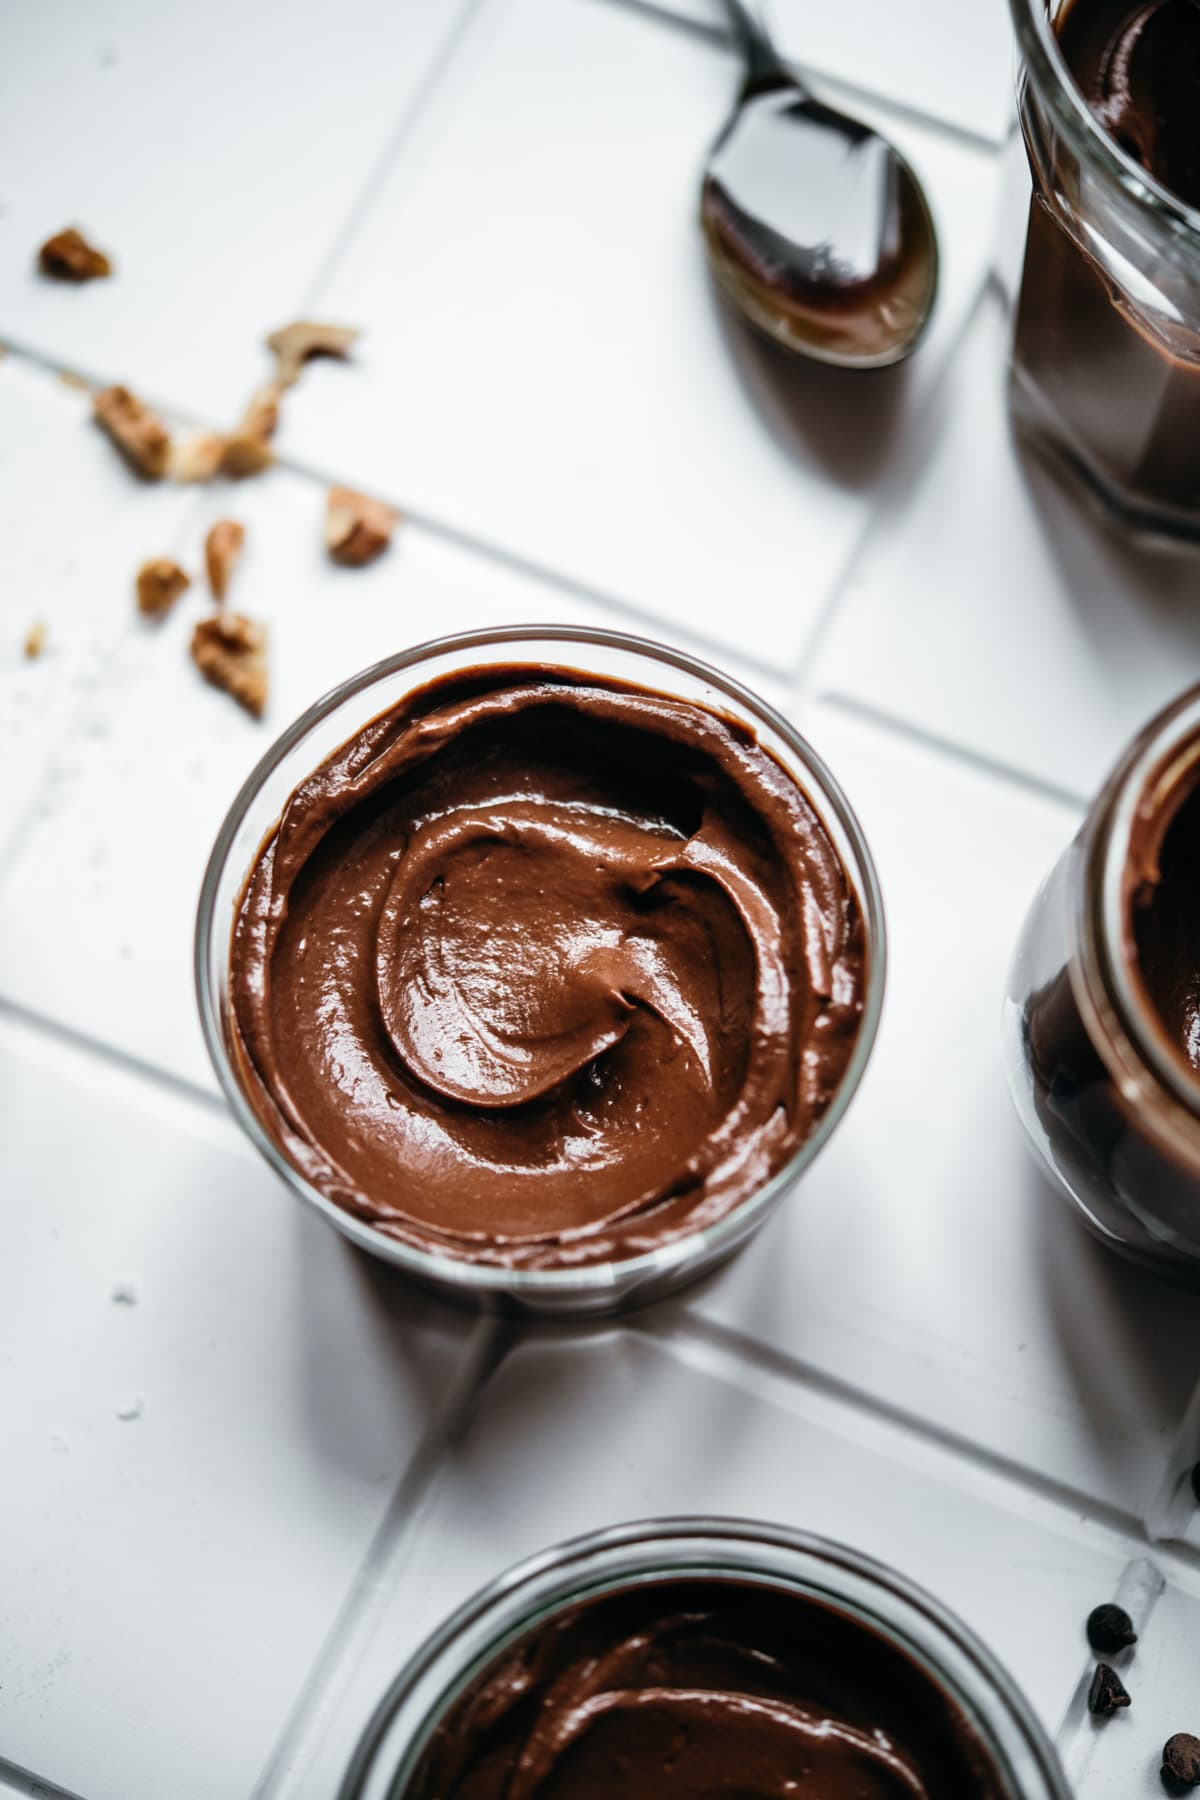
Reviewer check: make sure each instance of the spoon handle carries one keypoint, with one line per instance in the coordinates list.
(764, 65)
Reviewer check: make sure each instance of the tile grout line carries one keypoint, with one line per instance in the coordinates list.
(22, 1782)
(373, 182)
(459, 537)
(81, 1043)
(1139, 1591)
(331, 1672)
(720, 38)
(976, 760)
(1132, 1532)
(530, 569)
(922, 436)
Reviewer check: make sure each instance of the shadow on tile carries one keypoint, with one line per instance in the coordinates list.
(378, 1354)
(1120, 584)
(1129, 1340)
(844, 421)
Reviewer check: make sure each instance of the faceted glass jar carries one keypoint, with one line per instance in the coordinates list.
(1106, 349)
(1005, 1733)
(1112, 1113)
(592, 1289)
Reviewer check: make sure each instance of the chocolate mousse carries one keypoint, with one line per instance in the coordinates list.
(1162, 887)
(706, 1689)
(1117, 1150)
(1110, 337)
(542, 969)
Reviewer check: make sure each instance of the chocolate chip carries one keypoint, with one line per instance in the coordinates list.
(1110, 1628)
(1107, 1692)
(1181, 1761)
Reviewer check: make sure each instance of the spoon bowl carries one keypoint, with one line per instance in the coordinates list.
(816, 227)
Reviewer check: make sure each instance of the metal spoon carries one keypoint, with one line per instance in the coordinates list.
(815, 226)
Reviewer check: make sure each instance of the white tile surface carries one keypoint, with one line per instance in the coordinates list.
(630, 1428)
(991, 609)
(76, 525)
(145, 783)
(925, 1260)
(214, 151)
(547, 365)
(169, 1577)
(951, 60)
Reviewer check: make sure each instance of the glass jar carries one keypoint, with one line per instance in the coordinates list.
(584, 1289)
(1006, 1740)
(1106, 351)
(1111, 1109)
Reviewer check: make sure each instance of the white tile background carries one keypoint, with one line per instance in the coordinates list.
(923, 1354)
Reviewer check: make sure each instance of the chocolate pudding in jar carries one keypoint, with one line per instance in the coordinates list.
(544, 974)
(1103, 1011)
(1106, 356)
(703, 1660)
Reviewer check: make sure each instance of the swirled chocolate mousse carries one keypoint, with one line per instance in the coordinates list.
(543, 969)
(1131, 1160)
(704, 1690)
(1113, 344)
(1138, 65)
(1162, 888)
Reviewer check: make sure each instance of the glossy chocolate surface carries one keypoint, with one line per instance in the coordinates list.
(1163, 895)
(704, 1690)
(541, 969)
(1136, 1183)
(1139, 69)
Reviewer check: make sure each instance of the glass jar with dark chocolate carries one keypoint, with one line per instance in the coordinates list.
(716, 1657)
(1102, 1015)
(1106, 354)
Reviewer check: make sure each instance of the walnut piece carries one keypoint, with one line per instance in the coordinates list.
(262, 415)
(231, 651)
(35, 639)
(198, 457)
(159, 585)
(222, 547)
(294, 344)
(357, 528)
(139, 435)
(67, 256)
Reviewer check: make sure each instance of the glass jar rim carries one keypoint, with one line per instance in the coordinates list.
(1076, 122)
(542, 1585)
(594, 1279)
(1129, 1035)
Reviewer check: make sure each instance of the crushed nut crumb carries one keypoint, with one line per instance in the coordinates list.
(222, 547)
(139, 435)
(357, 528)
(231, 651)
(247, 451)
(294, 344)
(67, 256)
(198, 457)
(262, 415)
(35, 639)
(159, 585)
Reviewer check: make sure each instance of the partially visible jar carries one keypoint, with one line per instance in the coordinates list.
(1106, 1084)
(1106, 353)
(505, 1646)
